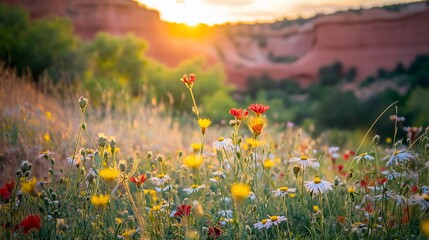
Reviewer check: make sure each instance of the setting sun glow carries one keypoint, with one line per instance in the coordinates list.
(211, 12)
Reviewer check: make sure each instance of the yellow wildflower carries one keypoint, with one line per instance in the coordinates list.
(351, 190)
(100, 201)
(46, 137)
(29, 187)
(193, 161)
(109, 175)
(316, 208)
(129, 233)
(204, 124)
(240, 191)
(255, 125)
(268, 163)
(196, 147)
(48, 115)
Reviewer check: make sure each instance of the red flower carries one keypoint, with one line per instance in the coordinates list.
(415, 189)
(214, 232)
(189, 82)
(30, 222)
(182, 210)
(6, 191)
(258, 109)
(239, 113)
(139, 180)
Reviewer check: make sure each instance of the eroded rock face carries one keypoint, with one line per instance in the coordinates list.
(367, 40)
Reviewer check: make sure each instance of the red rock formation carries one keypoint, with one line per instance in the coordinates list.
(367, 40)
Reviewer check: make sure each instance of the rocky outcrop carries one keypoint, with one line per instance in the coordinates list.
(367, 39)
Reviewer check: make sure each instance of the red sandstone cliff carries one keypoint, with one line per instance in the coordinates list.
(367, 40)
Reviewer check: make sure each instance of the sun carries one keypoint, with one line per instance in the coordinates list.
(188, 12)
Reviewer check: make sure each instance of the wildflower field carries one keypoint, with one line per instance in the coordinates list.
(248, 179)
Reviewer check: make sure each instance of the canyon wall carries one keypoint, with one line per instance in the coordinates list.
(367, 40)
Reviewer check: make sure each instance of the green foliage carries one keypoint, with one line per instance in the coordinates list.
(114, 64)
(39, 46)
(346, 111)
(416, 108)
(163, 83)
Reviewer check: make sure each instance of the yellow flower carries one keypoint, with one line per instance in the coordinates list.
(255, 125)
(193, 161)
(316, 208)
(424, 226)
(196, 147)
(204, 124)
(118, 221)
(48, 115)
(240, 191)
(129, 233)
(388, 140)
(253, 143)
(100, 201)
(351, 190)
(29, 187)
(109, 175)
(268, 163)
(46, 137)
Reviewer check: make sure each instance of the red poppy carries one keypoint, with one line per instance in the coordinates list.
(138, 180)
(415, 189)
(30, 222)
(258, 109)
(182, 210)
(214, 232)
(6, 190)
(188, 81)
(239, 113)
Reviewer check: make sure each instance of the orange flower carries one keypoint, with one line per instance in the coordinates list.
(256, 125)
(189, 82)
(239, 113)
(258, 109)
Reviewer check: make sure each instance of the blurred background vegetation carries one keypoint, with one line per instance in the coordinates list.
(109, 66)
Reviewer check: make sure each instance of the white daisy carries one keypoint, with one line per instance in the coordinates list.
(364, 157)
(194, 188)
(274, 220)
(318, 186)
(261, 224)
(160, 179)
(223, 144)
(305, 162)
(398, 158)
(283, 191)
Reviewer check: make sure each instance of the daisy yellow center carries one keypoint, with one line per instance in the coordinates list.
(317, 180)
(194, 186)
(274, 218)
(160, 176)
(396, 152)
(220, 139)
(426, 197)
(303, 157)
(362, 154)
(264, 221)
(283, 189)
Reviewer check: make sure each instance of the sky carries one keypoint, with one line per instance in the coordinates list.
(193, 12)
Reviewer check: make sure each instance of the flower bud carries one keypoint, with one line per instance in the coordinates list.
(122, 165)
(83, 102)
(149, 155)
(296, 169)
